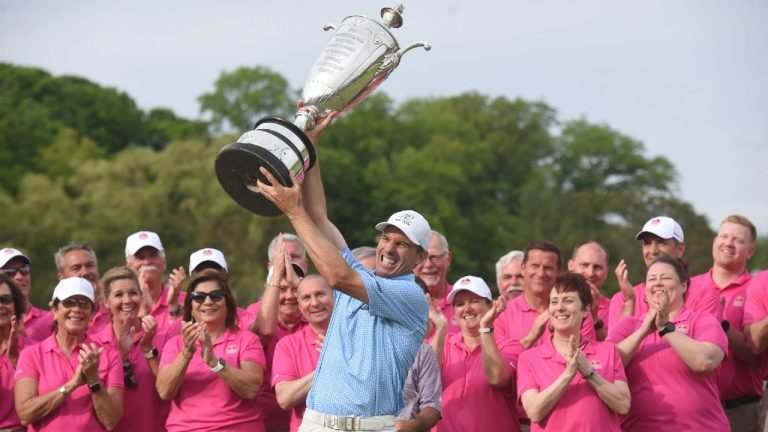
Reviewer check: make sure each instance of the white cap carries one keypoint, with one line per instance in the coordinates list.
(664, 227)
(412, 224)
(207, 254)
(73, 286)
(472, 284)
(142, 239)
(8, 254)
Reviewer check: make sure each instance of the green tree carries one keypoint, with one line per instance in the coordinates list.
(244, 95)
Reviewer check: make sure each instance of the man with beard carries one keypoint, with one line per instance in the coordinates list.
(509, 275)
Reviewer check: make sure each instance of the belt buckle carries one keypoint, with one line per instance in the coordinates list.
(351, 423)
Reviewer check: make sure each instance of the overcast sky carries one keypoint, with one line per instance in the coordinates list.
(688, 78)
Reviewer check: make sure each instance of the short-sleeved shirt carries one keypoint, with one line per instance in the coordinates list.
(735, 378)
(47, 363)
(367, 343)
(423, 387)
(274, 416)
(667, 396)
(141, 398)
(204, 401)
(469, 401)
(38, 323)
(756, 307)
(517, 320)
(295, 357)
(8, 417)
(700, 298)
(603, 308)
(579, 408)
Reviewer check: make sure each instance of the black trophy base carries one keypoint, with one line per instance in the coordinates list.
(237, 168)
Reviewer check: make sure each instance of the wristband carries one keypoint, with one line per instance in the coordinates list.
(486, 330)
(219, 365)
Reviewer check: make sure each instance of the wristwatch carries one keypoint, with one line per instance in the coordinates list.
(486, 330)
(176, 312)
(151, 353)
(95, 387)
(669, 327)
(63, 390)
(219, 366)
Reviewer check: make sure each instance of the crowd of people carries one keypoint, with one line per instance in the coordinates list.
(378, 339)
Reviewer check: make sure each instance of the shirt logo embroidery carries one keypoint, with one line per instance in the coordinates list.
(738, 301)
(231, 349)
(596, 364)
(682, 328)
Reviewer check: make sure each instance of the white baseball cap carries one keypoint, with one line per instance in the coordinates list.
(412, 224)
(472, 284)
(73, 286)
(8, 254)
(664, 227)
(142, 239)
(207, 254)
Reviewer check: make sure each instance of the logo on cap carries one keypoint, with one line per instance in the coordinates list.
(465, 281)
(8, 250)
(406, 218)
(207, 252)
(143, 236)
(656, 221)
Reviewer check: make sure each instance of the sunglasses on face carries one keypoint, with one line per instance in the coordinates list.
(70, 303)
(199, 296)
(6, 299)
(11, 271)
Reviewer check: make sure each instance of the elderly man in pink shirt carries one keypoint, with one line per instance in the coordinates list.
(296, 355)
(509, 274)
(661, 235)
(433, 271)
(590, 260)
(739, 378)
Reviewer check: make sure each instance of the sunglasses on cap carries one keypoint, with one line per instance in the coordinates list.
(6, 299)
(72, 302)
(11, 271)
(199, 296)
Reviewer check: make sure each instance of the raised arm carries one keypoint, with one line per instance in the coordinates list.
(265, 324)
(495, 368)
(631, 343)
(321, 249)
(538, 404)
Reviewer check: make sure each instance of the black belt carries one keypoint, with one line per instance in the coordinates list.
(735, 403)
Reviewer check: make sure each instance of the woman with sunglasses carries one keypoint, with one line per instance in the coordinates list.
(213, 370)
(570, 383)
(12, 306)
(136, 340)
(67, 381)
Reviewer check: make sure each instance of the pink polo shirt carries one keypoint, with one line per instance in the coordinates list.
(274, 416)
(160, 309)
(447, 309)
(580, 408)
(49, 365)
(38, 323)
(295, 356)
(735, 378)
(667, 396)
(603, 308)
(756, 307)
(469, 402)
(204, 401)
(515, 322)
(700, 298)
(8, 417)
(142, 398)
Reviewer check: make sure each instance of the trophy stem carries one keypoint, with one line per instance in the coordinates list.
(305, 119)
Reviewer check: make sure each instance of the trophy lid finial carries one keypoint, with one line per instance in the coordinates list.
(392, 16)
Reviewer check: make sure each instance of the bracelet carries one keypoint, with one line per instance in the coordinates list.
(63, 390)
(588, 374)
(486, 330)
(270, 284)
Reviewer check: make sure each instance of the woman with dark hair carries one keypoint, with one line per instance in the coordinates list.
(671, 354)
(213, 370)
(570, 383)
(12, 307)
(134, 338)
(67, 381)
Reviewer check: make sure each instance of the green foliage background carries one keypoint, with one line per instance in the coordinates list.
(82, 163)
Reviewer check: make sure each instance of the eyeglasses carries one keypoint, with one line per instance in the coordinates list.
(129, 379)
(6, 299)
(436, 258)
(199, 296)
(70, 303)
(11, 271)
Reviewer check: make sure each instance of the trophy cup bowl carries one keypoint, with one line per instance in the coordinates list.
(361, 54)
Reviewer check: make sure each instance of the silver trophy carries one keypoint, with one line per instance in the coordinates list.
(360, 55)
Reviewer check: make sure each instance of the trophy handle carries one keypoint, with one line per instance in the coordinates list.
(393, 60)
